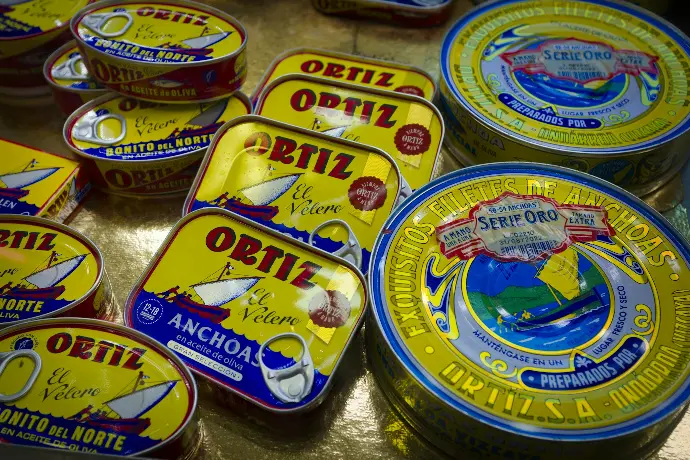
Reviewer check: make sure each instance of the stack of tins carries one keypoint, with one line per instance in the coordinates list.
(169, 90)
(597, 86)
(532, 311)
(31, 31)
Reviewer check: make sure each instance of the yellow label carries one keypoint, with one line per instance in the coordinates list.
(588, 76)
(21, 19)
(353, 69)
(296, 183)
(42, 269)
(409, 130)
(99, 389)
(221, 289)
(159, 33)
(30, 179)
(69, 70)
(538, 299)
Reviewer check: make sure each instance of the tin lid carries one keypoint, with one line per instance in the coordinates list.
(408, 127)
(30, 178)
(256, 312)
(325, 191)
(349, 68)
(45, 268)
(176, 32)
(549, 302)
(65, 69)
(91, 386)
(593, 77)
(114, 127)
(22, 19)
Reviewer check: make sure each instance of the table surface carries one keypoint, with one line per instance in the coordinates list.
(355, 421)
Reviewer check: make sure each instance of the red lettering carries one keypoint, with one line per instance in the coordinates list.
(18, 236)
(146, 11)
(257, 143)
(100, 70)
(309, 269)
(103, 349)
(328, 100)
(303, 99)
(118, 178)
(127, 104)
(4, 234)
(272, 254)
(162, 14)
(384, 119)
(353, 72)
(307, 151)
(385, 79)
(322, 160)
(47, 242)
(81, 347)
(139, 177)
(282, 150)
(367, 111)
(312, 66)
(59, 342)
(220, 239)
(201, 21)
(286, 267)
(351, 104)
(133, 362)
(334, 70)
(343, 160)
(246, 247)
(368, 75)
(114, 73)
(33, 237)
(117, 355)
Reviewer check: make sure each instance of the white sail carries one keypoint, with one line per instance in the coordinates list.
(267, 192)
(49, 277)
(135, 404)
(217, 293)
(26, 178)
(205, 41)
(209, 115)
(335, 132)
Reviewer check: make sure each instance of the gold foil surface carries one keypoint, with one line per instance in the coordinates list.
(355, 421)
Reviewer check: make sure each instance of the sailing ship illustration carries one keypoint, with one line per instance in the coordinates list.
(572, 295)
(46, 278)
(214, 292)
(197, 45)
(260, 196)
(205, 122)
(333, 132)
(15, 182)
(123, 414)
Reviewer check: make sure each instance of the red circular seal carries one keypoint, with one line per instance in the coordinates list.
(410, 89)
(329, 309)
(367, 193)
(412, 139)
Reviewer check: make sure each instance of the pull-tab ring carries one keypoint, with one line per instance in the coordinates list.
(6, 358)
(405, 191)
(96, 22)
(292, 384)
(86, 129)
(350, 251)
(68, 70)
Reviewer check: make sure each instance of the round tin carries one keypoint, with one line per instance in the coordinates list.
(407, 13)
(258, 313)
(48, 269)
(69, 79)
(599, 86)
(532, 310)
(170, 51)
(409, 128)
(92, 386)
(32, 30)
(139, 148)
(331, 193)
(349, 68)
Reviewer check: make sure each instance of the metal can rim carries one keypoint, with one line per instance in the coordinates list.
(679, 398)
(125, 331)
(447, 80)
(76, 19)
(353, 57)
(111, 95)
(278, 124)
(74, 234)
(48, 66)
(131, 298)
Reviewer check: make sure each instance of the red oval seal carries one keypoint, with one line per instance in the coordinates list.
(367, 193)
(329, 309)
(412, 139)
(410, 89)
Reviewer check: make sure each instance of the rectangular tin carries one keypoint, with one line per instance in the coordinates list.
(38, 183)
(407, 13)
(374, 73)
(407, 127)
(329, 192)
(221, 289)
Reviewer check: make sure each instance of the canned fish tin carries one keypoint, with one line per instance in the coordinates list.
(31, 30)
(163, 51)
(407, 127)
(256, 312)
(140, 148)
(48, 270)
(352, 69)
(69, 79)
(328, 192)
(533, 310)
(408, 13)
(92, 386)
(598, 86)
(38, 183)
